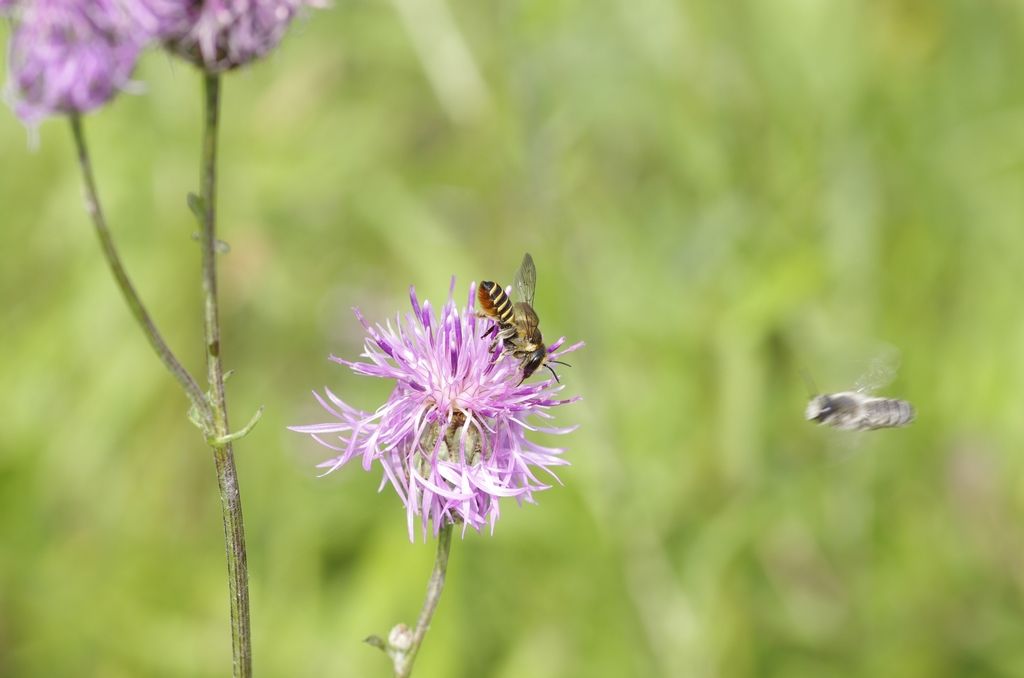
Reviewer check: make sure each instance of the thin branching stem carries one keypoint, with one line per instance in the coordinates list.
(227, 476)
(124, 284)
(403, 661)
(210, 410)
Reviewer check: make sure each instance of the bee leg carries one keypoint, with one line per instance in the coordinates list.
(492, 329)
(499, 336)
(505, 337)
(520, 358)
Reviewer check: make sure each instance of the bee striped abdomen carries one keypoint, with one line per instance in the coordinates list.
(889, 412)
(495, 302)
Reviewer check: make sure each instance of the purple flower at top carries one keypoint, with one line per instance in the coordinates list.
(224, 34)
(452, 436)
(72, 56)
(69, 56)
(158, 19)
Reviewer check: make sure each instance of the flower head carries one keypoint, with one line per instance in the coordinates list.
(223, 34)
(451, 437)
(69, 56)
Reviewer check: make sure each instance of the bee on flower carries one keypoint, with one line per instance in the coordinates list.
(451, 438)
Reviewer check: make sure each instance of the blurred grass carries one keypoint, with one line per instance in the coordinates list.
(718, 195)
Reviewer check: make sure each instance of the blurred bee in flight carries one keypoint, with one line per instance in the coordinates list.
(858, 410)
(517, 323)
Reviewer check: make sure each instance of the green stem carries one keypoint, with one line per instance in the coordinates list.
(227, 476)
(95, 211)
(403, 661)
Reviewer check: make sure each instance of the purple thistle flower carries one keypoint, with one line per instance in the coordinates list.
(69, 56)
(222, 34)
(451, 437)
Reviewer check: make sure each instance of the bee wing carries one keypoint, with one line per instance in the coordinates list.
(526, 318)
(881, 371)
(525, 283)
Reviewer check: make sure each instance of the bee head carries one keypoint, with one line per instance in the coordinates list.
(820, 408)
(538, 358)
(533, 361)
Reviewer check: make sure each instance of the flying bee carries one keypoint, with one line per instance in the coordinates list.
(517, 323)
(857, 410)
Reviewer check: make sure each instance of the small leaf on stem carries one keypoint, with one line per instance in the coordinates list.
(219, 246)
(241, 433)
(195, 205)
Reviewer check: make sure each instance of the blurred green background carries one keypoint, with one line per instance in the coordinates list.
(717, 194)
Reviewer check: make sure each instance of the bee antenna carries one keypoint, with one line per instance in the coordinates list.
(811, 388)
(559, 362)
(552, 371)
